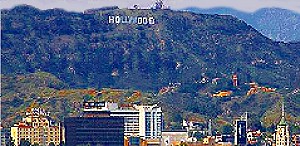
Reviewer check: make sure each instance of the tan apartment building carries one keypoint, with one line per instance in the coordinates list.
(37, 127)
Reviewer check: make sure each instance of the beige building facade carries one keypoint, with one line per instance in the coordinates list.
(37, 127)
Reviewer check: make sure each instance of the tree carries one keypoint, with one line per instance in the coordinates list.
(183, 144)
(24, 142)
(199, 136)
(10, 142)
(227, 129)
(294, 129)
(271, 128)
(35, 144)
(62, 143)
(256, 125)
(177, 117)
(87, 97)
(51, 144)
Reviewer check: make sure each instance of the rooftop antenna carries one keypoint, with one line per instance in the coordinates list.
(245, 118)
(282, 108)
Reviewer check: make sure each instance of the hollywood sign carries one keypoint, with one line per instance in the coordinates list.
(131, 20)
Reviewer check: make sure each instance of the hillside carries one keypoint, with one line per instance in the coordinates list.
(45, 90)
(275, 23)
(19, 91)
(83, 50)
(58, 52)
(262, 107)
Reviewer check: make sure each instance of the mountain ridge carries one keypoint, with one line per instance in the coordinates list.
(182, 51)
(276, 23)
(69, 45)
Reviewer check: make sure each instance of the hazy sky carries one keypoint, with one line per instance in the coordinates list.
(80, 5)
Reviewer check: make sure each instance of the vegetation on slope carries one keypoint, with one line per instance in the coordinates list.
(83, 50)
(57, 58)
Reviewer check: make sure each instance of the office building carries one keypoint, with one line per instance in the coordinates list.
(5, 136)
(150, 121)
(282, 134)
(240, 134)
(94, 131)
(37, 127)
(139, 120)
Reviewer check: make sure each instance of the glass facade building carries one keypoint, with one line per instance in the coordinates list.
(241, 133)
(94, 131)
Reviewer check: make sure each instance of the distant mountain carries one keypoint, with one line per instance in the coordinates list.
(83, 50)
(275, 23)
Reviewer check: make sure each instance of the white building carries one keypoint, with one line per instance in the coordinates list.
(150, 121)
(139, 120)
(131, 121)
(174, 137)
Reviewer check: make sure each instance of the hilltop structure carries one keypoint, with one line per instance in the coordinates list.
(235, 80)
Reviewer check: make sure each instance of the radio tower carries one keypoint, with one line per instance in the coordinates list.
(159, 4)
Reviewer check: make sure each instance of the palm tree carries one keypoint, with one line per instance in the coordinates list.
(24, 142)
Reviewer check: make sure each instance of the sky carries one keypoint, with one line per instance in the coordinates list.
(81, 5)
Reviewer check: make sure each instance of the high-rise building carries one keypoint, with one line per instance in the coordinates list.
(37, 127)
(282, 134)
(150, 121)
(5, 136)
(94, 131)
(131, 120)
(240, 136)
(139, 120)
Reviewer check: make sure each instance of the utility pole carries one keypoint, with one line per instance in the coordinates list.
(209, 128)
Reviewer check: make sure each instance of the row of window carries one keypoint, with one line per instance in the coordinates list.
(153, 133)
(38, 140)
(38, 133)
(35, 129)
(131, 129)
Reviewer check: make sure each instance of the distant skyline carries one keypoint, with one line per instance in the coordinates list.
(81, 5)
